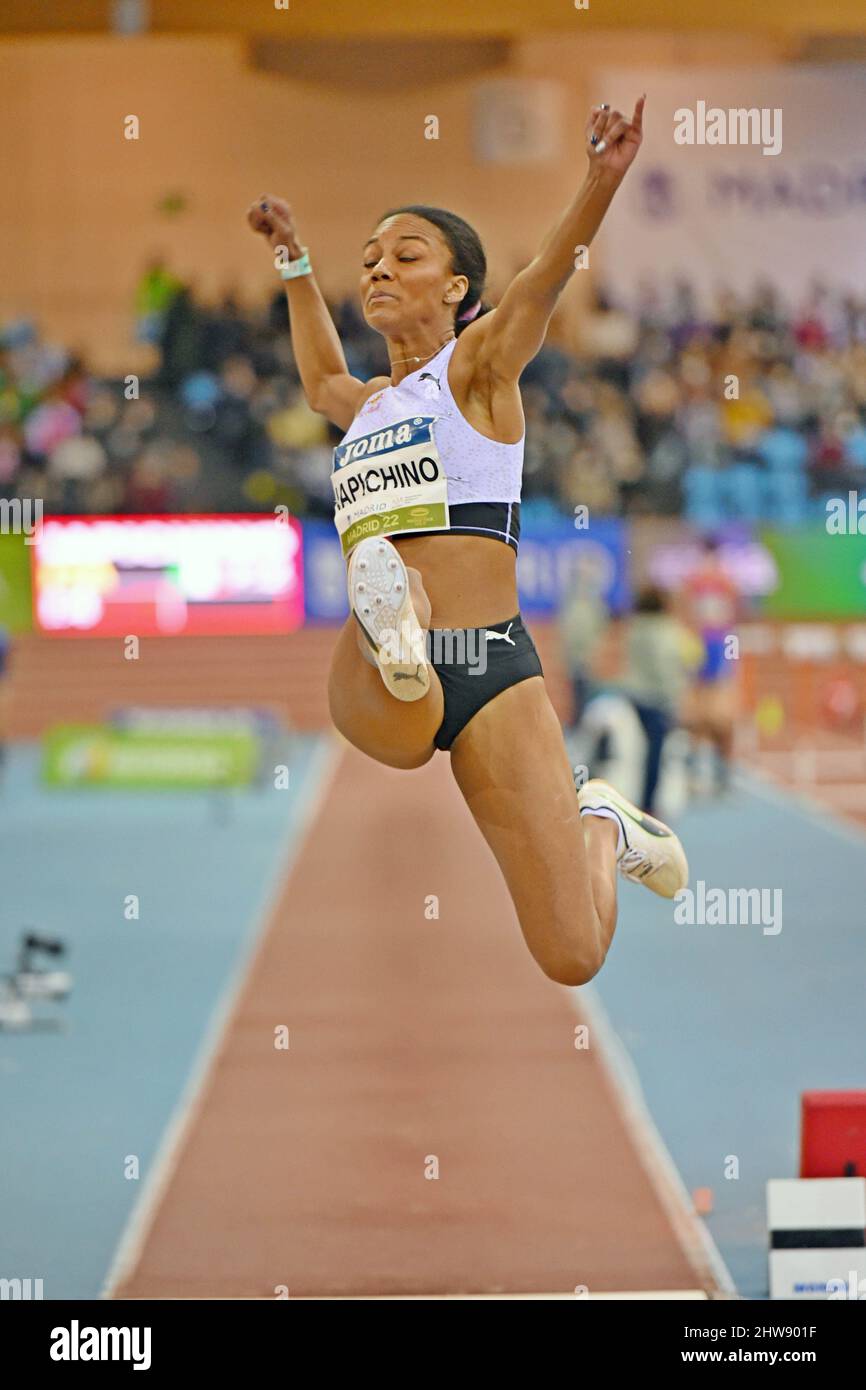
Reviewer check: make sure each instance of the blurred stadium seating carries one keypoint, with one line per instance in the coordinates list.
(221, 424)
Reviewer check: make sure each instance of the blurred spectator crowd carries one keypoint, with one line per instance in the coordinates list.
(753, 412)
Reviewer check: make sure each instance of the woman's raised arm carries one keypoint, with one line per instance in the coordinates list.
(509, 337)
(328, 387)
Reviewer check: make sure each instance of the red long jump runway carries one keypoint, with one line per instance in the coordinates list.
(411, 1040)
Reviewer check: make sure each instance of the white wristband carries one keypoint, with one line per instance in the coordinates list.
(299, 267)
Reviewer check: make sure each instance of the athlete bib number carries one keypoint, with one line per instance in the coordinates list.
(389, 482)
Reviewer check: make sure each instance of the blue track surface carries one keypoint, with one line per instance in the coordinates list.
(727, 1026)
(76, 1103)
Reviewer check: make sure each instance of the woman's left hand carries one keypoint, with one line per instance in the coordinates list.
(612, 141)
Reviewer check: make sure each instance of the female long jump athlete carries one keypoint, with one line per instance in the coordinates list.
(431, 458)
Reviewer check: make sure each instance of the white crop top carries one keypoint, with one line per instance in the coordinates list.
(410, 463)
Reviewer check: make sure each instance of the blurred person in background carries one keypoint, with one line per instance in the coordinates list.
(5, 694)
(710, 604)
(662, 656)
(582, 621)
(153, 295)
(182, 339)
(609, 335)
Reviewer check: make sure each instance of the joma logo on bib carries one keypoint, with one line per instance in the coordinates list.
(389, 482)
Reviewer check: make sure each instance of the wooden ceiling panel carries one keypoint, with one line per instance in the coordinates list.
(501, 18)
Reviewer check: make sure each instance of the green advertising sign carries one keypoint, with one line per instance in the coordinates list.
(16, 599)
(98, 756)
(819, 575)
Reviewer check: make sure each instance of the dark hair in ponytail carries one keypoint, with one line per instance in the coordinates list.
(467, 258)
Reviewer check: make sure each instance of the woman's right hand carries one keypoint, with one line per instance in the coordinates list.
(274, 220)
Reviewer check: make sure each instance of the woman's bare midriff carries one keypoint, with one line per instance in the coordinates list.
(471, 581)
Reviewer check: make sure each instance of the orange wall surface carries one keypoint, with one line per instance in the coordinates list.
(79, 202)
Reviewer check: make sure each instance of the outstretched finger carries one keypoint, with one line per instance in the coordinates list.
(637, 118)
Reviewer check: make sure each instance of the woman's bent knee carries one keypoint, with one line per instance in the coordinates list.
(402, 761)
(570, 947)
(570, 965)
(389, 754)
(392, 757)
(572, 972)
